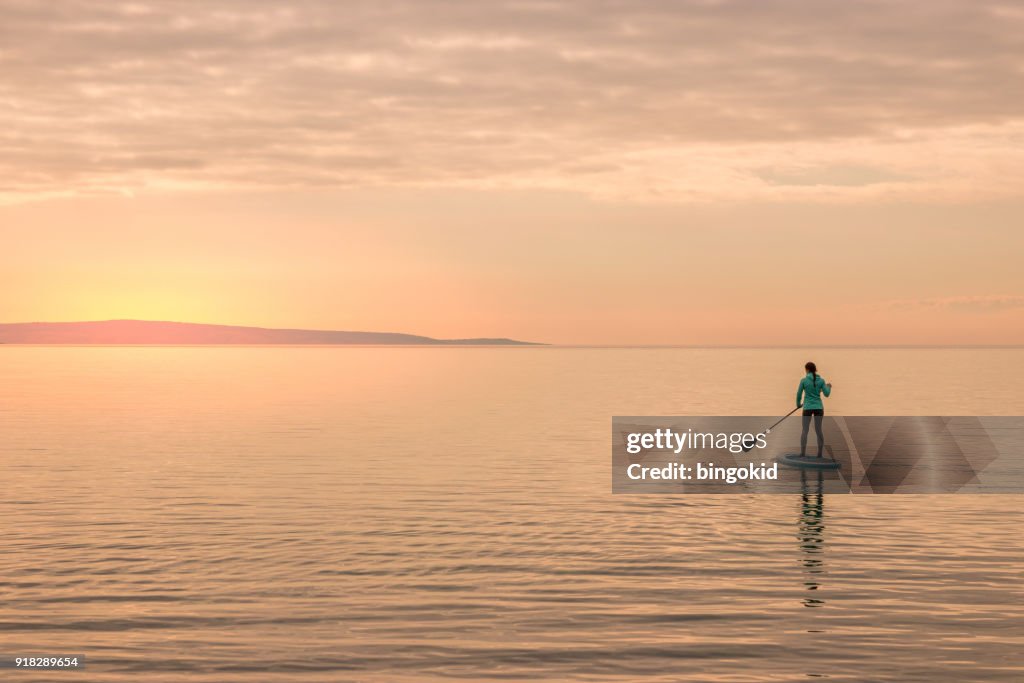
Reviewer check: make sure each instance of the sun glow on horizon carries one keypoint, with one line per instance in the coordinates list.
(673, 173)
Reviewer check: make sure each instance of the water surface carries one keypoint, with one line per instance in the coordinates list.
(382, 514)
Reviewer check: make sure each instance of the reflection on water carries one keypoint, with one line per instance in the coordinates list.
(812, 532)
(228, 515)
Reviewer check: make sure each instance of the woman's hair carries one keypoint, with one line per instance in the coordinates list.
(813, 369)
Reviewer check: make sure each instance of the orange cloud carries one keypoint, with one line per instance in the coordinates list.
(641, 101)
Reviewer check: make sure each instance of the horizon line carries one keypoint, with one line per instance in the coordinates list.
(483, 340)
(142, 332)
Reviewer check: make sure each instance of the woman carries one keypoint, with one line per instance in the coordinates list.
(810, 389)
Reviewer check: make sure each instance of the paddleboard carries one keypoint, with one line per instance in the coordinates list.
(809, 462)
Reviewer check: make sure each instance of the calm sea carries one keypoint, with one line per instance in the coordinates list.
(417, 514)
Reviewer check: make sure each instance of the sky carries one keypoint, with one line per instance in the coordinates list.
(702, 172)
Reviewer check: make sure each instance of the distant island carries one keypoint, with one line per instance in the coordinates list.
(118, 332)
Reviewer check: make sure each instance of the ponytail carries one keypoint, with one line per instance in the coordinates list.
(812, 369)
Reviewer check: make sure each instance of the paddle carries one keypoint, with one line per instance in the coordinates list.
(753, 442)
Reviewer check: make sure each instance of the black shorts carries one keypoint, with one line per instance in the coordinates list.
(819, 412)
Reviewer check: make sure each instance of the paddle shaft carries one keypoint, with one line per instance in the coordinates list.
(782, 418)
(746, 449)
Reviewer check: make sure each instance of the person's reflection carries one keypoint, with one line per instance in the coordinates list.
(812, 532)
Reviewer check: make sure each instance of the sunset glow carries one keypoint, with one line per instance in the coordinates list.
(738, 173)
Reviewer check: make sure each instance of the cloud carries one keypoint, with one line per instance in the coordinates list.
(968, 304)
(836, 176)
(640, 100)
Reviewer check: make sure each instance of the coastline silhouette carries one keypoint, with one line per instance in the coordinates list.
(175, 333)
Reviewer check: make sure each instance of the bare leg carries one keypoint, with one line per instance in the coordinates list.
(819, 433)
(806, 420)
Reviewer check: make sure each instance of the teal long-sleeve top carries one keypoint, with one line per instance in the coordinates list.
(811, 389)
